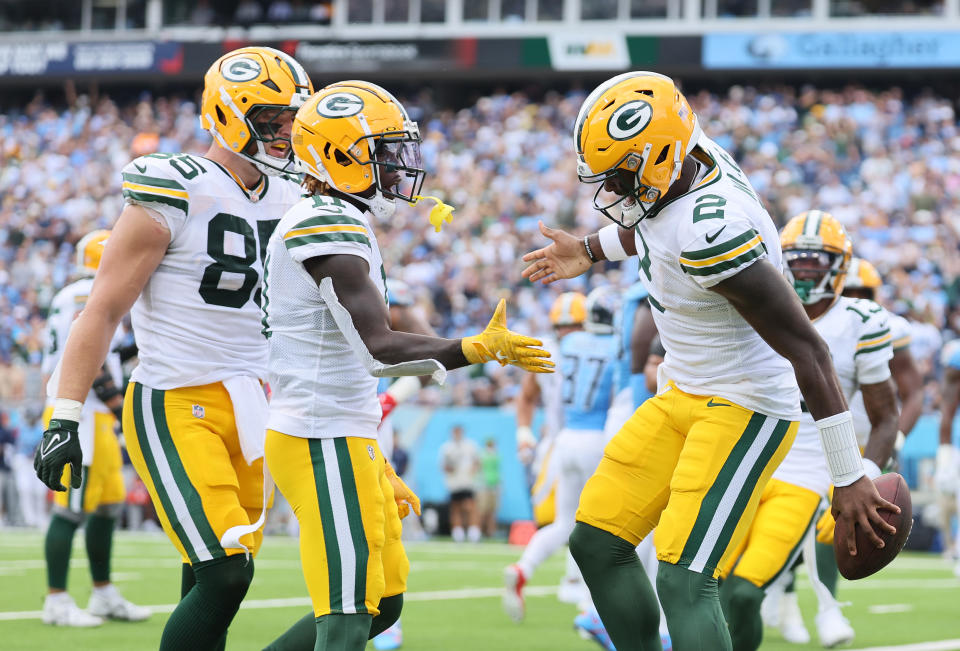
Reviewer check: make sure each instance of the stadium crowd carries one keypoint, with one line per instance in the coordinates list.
(885, 164)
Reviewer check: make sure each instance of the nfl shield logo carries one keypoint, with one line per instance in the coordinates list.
(197, 411)
(373, 455)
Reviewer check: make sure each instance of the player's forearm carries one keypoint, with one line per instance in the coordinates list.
(949, 402)
(911, 408)
(392, 347)
(524, 412)
(883, 438)
(818, 383)
(611, 244)
(86, 348)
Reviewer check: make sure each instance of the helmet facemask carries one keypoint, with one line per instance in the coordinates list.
(635, 204)
(814, 274)
(266, 123)
(397, 166)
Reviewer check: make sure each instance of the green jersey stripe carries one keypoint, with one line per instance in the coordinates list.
(708, 507)
(140, 431)
(332, 549)
(325, 238)
(143, 197)
(327, 219)
(181, 480)
(655, 303)
(874, 335)
(720, 249)
(749, 487)
(155, 181)
(354, 517)
(733, 263)
(794, 553)
(873, 349)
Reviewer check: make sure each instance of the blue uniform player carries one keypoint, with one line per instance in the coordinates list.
(635, 330)
(589, 359)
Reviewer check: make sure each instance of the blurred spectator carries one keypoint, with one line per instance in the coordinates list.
(321, 12)
(489, 498)
(202, 14)
(32, 492)
(248, 12)
(9, 500)
(280, 11)
(460, 461)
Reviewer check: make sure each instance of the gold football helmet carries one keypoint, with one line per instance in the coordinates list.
(816, 252)
(863, 279)
(355, 136)
(569, 309)
(245, 94)
(639, 128)
(90, 251)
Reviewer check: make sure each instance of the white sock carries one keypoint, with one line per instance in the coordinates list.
(458, 535)
(104, 590)
(473, 534)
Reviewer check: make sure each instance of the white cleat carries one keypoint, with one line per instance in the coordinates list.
(572, 590)
(770, 609)
(833, 628)
(513, 582)
(59, 609)
(108, 603)
(791, 620)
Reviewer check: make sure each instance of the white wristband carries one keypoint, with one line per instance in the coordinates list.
(66, 409)
(525, 436)
(839, 441)
(871, 469)
(610, 243)
(404, 388)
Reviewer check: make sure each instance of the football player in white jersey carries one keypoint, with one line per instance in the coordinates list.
(186, 255)
(857, 331)
(98, 500)
(326, 318)
(694, 459)
(588, 360)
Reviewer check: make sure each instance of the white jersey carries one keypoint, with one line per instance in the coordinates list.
(321, 388)
(857, 333)
(197, 320)
(64, 308)
(899, 339)
(550, 391)
(711, 233)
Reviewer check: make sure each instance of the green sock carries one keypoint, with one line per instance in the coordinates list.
(827, 567)
(57, 547)
(302, 636)
(390, 608)
(619, 587)
(99, 539)
(342, 632)
(692, 605)
(200, 620)
(741, 601)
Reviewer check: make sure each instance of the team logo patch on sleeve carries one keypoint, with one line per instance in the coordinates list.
(241, 68)
(629, 120)
(340, 105)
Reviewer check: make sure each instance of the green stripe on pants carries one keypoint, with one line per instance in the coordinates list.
(355, 518)
(334, 571)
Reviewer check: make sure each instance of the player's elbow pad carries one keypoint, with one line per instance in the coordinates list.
(374, 367)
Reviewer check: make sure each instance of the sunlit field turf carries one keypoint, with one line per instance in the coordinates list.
(453, 601)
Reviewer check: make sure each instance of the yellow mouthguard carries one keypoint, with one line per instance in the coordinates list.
(440, 213)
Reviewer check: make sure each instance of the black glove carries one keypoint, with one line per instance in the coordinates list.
(60, 445)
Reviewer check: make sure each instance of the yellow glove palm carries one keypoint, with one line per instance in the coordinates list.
(497, 343)
(826, 524)
(402, 495)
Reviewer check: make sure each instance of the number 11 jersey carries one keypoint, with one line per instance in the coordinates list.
(197, 320)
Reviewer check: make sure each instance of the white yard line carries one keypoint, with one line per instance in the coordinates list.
(938, 645)
(884, 609)
(304, 602)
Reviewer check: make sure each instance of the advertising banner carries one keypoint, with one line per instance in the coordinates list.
(832, 50)
(35, 59)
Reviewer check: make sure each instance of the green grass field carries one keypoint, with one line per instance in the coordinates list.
(452, 604)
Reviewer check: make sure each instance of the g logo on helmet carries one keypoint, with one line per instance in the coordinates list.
(339, 105)
(629, 120)
(241, 69)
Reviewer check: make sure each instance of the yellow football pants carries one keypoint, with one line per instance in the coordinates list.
(784, 516)
(103, 481)
(350, 546)
(543, 493)
(184, 445)
(691, 466)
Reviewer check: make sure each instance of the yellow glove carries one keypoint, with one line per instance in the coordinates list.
(826, 525)
(496, 343)
(402, 495)
(440, 213)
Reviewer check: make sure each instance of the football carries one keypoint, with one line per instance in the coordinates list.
(870, 559)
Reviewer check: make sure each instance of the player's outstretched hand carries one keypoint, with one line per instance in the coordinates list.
(497, 343)
(60, 445)
(405, 498)
(565, 257)
(860, 504)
